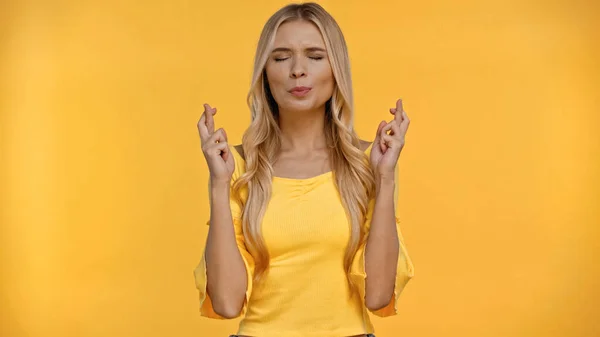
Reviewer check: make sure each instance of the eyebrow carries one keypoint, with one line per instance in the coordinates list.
(289, 50)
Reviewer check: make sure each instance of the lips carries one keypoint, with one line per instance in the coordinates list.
(300, 91)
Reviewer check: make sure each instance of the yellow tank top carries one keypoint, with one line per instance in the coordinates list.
(306, 231)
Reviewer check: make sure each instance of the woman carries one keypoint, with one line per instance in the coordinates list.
(302, 211)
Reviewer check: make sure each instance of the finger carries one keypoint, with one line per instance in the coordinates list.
(404, 124)
(381, 125)
(382, 133)
(399, 105)
(396, 130)
(210, 121)
(398, 116)
(215, 141)
(202, 129)
(377, 135)
(387, 128)
(393, 111)
(217, 137)
(225, 151)
(405, 119)
(218, 149)
(390, 142)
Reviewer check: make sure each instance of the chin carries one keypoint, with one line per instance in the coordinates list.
(300, 106)
(304, 105)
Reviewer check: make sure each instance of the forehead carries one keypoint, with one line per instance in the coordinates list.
(299, 34)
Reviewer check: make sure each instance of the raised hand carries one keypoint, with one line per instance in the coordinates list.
(215, 147)
(386, 148)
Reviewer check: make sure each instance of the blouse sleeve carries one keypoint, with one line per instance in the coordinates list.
(206, 307)
(404, 271)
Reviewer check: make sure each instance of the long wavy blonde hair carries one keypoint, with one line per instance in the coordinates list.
(353, 175)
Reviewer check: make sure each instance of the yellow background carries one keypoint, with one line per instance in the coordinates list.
(104, 187)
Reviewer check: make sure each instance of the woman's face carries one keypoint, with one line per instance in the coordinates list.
(299, 59)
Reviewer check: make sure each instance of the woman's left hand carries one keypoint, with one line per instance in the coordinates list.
(386, 148)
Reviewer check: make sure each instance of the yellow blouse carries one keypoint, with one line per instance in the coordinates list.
(306, 293)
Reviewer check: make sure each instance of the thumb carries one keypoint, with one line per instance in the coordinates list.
(378, 135)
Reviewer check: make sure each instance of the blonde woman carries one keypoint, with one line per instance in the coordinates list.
(303, 239)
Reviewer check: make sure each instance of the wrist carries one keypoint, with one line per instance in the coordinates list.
(219, 184)
(384, 184)
(385, 178)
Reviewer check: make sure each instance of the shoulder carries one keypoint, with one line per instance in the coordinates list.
(237, 152)
(240, 151)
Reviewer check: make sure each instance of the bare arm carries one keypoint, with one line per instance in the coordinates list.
(382, 248)
(226, 272)
(226, 275)
(383, 244)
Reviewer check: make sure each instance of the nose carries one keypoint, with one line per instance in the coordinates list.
(298, 69)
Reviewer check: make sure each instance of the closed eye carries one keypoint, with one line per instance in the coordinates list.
(313, 58)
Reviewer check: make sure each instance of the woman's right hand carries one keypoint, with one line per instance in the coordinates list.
(215, 147)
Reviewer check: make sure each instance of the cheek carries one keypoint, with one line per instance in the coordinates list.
(324, 72)
(276, 81)
(326, 79)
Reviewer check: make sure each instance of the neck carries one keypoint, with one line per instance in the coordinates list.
(303, 131)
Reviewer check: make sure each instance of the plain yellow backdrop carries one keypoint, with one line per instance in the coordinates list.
(104, 186)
